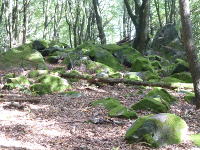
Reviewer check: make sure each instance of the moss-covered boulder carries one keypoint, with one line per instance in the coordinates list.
(23, 56)
(184, 76)
(50, 84)
(151, 76)
(157, 100)
(37, 73)
(189, 97)
(122, 112)
(195, 138)
(115, 108)
(142, 64)
(17, 82)
(97, 67)
(158, 130)
(53, 59)
(103, 56)
(136, 76)
(40, 44)
(180, 66)
(126, 56)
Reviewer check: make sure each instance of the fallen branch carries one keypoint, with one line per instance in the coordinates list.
(93, 79)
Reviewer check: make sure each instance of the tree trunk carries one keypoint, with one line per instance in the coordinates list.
(99, 22)
(25, 5)
(140, 21)
(191, 50)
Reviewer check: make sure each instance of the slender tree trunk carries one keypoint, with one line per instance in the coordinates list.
(191, 50)
(99, 22)
(25, 5)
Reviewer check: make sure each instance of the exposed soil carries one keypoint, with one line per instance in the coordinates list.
(61, 122)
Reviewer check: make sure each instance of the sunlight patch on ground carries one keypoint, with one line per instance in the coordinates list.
(7, 142)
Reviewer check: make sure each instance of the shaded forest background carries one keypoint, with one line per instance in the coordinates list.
(74, 22)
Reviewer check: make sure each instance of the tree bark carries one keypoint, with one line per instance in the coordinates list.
(102, 35)
(191, 50)
(140, 21)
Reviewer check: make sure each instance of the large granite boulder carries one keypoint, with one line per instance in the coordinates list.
(158, 130)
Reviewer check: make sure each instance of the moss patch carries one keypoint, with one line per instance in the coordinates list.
(195, 138)
(115, 108)
(157, 130)
(37, 73)
(183, 76)
(23, 56)
(189, 97)
(17, 82)
(50, 84)
(132, 76)
(157, 100)
(142, 64)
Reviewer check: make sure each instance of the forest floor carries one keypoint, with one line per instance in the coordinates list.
(61, 122)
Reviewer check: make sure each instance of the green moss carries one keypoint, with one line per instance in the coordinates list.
(183, 76)
(97, 67)
(51, 84)
(115, 108)
(157, 130)
(181, 66)
(23, 56)
(105, 57)
(116, 75)
(149, 76)
(171, 80)
(52, 59)
(157, 100)
(132, 76)
(17, 82)
(112, 47)
(9, 75)
(108, 103)
(122, 112)
(157, 105)
(142, 64)
(159, 92)
(127, 56)
(195, 138)
(156, 64)
(37, 73)
(189, 97)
